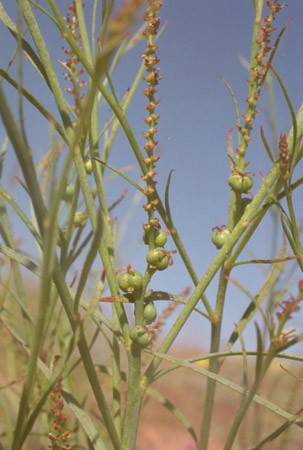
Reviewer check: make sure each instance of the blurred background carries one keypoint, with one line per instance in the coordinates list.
(201, 42)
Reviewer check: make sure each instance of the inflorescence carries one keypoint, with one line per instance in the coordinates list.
(152, 79)
(256, 80)
(73, 72)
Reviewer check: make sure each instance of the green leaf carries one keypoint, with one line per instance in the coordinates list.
(6, 417)
(175, 411)
(118, 172)
(277, 433)
(230, 153)
(15, 256)
(71, 402)
(89, 260)
(28, 223)
(235, 102)
(245, 365)
(267, 148)
(291, 109)
(167, 206)
(32, 56)
(274, 48)
(259, 359)
(250, 311)
(227, 383)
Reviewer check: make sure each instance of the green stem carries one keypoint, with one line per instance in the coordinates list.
(294, 228)
(48, 66)
(248, 399)
(214, 363)
(134, 400)
(41, 213)
(239, 229)
(83, 30)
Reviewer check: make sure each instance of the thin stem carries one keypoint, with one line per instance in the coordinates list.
(134, 399)
(211, 271)
(214, 363)
(248, 400)
(294, 227)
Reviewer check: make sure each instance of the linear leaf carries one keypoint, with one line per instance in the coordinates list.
(72, 403)
(35, 102)
(276, 433)
(175, 411)
(259, 359)
(291, 109)
(259, 298)
(227, 383)
(32, 56)
(118, 172)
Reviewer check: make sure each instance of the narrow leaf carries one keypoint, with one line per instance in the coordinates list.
(259, 298)
(32, 56)
(234, 100)
(175, 411)
(274, 48)
(259, 359)
(266, 145)
(291, 109)
(167, 206)
(277, 433)
(227, 383)
(230, 153)
(71, 402)
(20, 259)
(118, 172)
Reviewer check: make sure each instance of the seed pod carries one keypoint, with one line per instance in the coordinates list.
(163, 264)
(160, 238)
(240, 182)
(149, 313)
(88, 166)
(130, 281)
(219, 237)
(80, 219)
(141, 335)
(123, 282)
(69, 192)
(155, 255)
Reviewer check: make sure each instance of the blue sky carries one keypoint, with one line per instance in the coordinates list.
(201, 42)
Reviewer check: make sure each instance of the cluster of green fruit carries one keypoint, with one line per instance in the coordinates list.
(80, 218)
(240, 183)
(131, 282)
(158, 258)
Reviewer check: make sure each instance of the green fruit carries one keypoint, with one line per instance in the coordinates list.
(160, 238)
(142, 336)
(150, 313)
(146, 339)
(123, 282)
(80, 219)
(163, 264)
(158, 258)
(219, 237)
(130, 281)
(240, 182)
(88, 166)
(69, 192)
(135, 332)
(94, 191)
(135, 280)
(154, 256)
